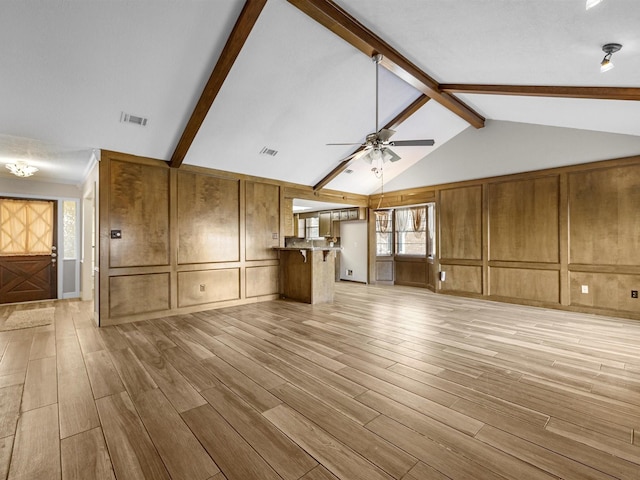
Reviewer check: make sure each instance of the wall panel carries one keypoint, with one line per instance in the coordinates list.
(525, 284)
(262, 280)
(606, 290)
(411, 271)
(208, 219)
(262, 220)
(523, 220)
(139, 208)
(208, 286)
(183, 239)
(604, 208)
(134, 294)
(384, 270)
(462, 279)
(460, 213)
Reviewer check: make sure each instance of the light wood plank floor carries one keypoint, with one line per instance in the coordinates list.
(387, 382)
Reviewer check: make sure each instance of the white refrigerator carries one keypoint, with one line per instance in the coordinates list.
(353, 256)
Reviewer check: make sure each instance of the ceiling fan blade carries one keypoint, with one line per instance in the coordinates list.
(390, 155)
(354, 155)
(357, 143)
(385, 134)
(413, 143)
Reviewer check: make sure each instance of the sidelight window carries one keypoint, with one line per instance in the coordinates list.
(69, 210)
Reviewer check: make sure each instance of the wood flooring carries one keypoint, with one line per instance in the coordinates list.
(385, 383)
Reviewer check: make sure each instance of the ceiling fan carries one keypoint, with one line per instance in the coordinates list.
(375, 148)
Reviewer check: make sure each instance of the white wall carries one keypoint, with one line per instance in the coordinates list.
(353, 240)
(26, 187)
(502, 148)
(89, 286)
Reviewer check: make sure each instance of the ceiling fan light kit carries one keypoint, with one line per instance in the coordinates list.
(609, 49)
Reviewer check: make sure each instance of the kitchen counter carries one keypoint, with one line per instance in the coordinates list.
(307, 274)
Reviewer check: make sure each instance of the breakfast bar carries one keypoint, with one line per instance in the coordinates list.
(307, 274)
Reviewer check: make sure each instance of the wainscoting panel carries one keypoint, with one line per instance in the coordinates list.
(134, 294)
(208, 286)
(262, 280)
(462, 279)
(525, 284)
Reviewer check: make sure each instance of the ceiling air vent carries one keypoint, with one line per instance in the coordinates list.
(268, 151)
(135, 119)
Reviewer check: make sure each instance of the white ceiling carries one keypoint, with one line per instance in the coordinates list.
(70, 68)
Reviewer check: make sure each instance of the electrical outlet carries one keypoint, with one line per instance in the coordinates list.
(202, 287)
(349, 272)
(274, 236)
(585, 288)
(634, 293)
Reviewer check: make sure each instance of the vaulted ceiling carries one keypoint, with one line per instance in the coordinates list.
(295, 75)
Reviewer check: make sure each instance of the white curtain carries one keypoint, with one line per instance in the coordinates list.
(382, 221)
(403, 222)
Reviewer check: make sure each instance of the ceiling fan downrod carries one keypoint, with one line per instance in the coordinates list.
(377, 58)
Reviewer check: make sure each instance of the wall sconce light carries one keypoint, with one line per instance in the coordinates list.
(609, 49)
(21, 169)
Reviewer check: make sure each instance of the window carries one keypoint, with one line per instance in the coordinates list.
(431, 230)
(26, 227)
(411, 231)
(384, 233)
(69, 208)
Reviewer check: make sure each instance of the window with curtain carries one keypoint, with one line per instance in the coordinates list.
(26, 227)
(411, 231)
(384, 233)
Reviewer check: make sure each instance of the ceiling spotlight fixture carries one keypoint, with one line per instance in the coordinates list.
(609, 49)
(21, 169)
(592, 3)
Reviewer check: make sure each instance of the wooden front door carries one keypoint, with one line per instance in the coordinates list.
(27, 278)
(31, 276)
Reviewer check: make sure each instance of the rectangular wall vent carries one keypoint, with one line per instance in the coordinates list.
(135, 119)
(269, 151)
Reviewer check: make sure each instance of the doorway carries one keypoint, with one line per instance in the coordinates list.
(28, 250)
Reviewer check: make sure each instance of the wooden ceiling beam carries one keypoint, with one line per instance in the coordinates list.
(349, 29)
(598, 93)
(392, 125)
(241, 30)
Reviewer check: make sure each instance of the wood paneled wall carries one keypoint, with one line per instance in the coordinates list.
(538, 238)
(139, 207)
(208, 219)
(191, 239)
